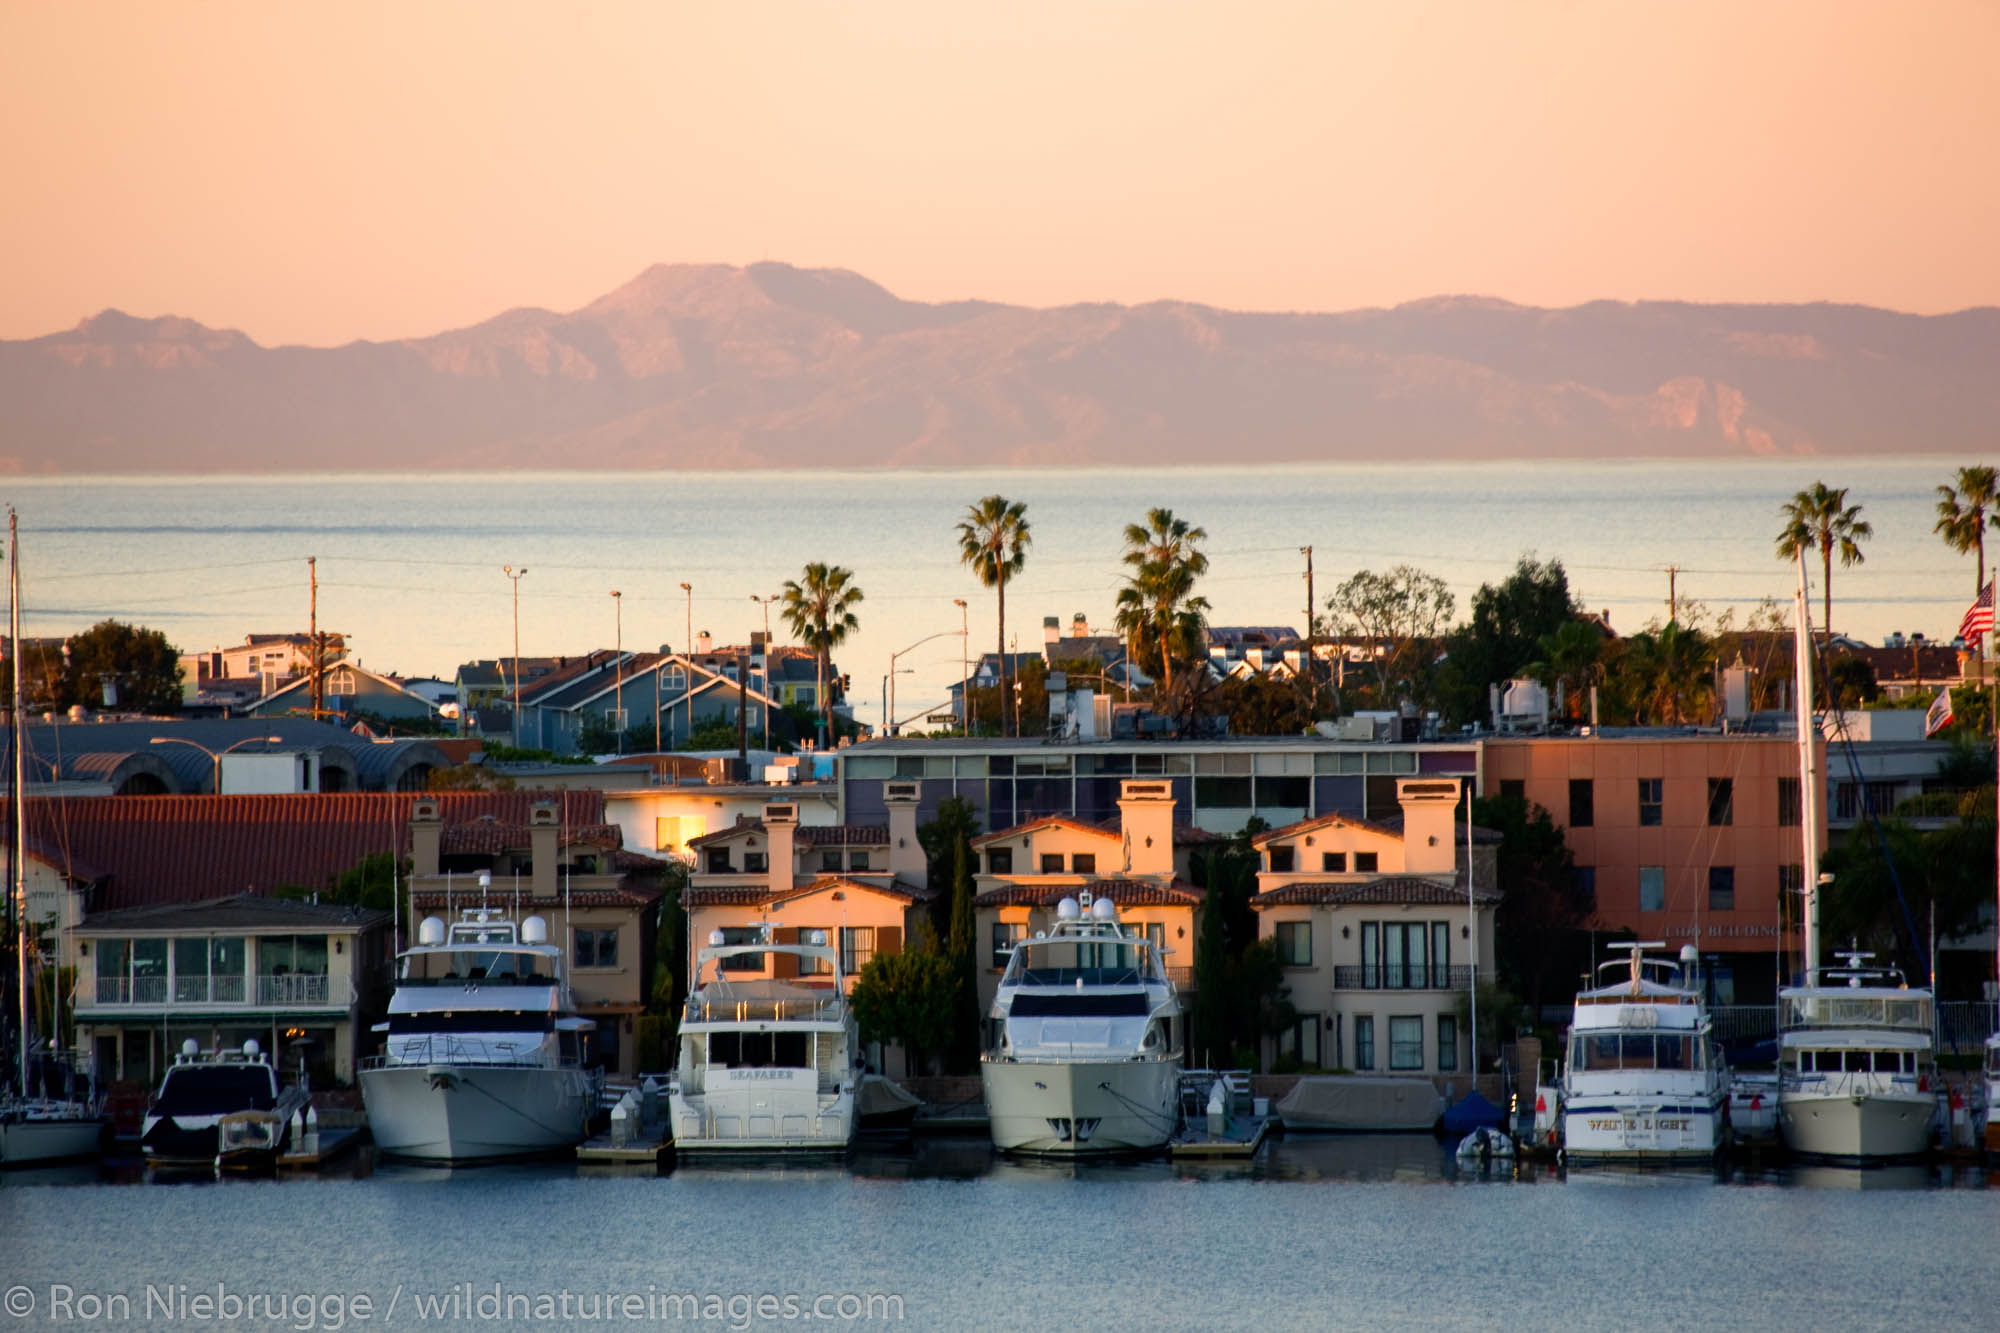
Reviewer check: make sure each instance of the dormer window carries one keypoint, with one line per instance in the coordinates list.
(1333, 863)
(1000, 861)
(1052, 863)
(1281, 860)
(1366, 863)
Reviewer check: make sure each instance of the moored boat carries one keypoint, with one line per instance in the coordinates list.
(1643, 1081)
(1854, 1065)
(1084, 1041)
(484, 1053)
(221, 1108)
(767, 1064)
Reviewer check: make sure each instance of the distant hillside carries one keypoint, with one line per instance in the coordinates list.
(774, 366)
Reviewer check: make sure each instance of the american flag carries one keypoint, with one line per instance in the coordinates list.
(1979, 616)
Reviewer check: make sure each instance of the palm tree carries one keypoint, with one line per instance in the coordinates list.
(1158, 598)
(819, 609)
(1668, 678)
(1573, 657)
(1965, 511)
(1822, 519)
(993, 539)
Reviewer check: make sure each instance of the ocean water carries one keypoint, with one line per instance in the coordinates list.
(410, 566)
(1319, 1233)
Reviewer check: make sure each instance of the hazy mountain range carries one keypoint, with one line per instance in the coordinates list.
(712, 366)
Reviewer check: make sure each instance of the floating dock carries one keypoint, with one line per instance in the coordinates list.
(644, 1149)
(316, 1149)
(1242, 1138)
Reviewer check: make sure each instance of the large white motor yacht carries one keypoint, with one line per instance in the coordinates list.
(1643, 1082)
(768, 1064)
(1854, 1064)
(1084, 1040)
(484, 1056)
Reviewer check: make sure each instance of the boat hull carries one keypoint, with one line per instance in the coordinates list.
(1081, 1108)
(1857, 1126)
(477, 1113)
(39, 1141)
(761, 1111)
(1621, 1129)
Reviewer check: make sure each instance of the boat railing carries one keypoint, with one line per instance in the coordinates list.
(733, 1010)
(1402, 976)
(1895, 1011)
(448, 1049)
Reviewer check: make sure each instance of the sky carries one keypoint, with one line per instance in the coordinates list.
(318, 173)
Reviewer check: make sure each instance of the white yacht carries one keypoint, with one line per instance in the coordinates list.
(1991, 1135)
(221, 1108)
(1643, 1081)
(768, 1064)
(1854, 1064)
(1084, 1040)
(484, 1056)
(61, 1117)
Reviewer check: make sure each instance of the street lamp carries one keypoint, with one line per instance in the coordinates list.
(765, 602)
(514, 575)
(687, 644)
(618, 664)
(889, 703)
(964, 672)
(215, 755)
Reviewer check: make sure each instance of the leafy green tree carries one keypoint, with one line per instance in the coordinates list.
(1401, 612)
(1260, 1003)
(1262, 705)
(819, 609)
(1158, 605)
(1852, 683)
(910, 998)
(1820, 519)
(1949, 868)
(136, 667)
(1540, 943)
(993, 539)
(1508, 621)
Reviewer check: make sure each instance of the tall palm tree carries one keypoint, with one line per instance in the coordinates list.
(819, 609)
(993, 538)
(1158, 599)
(1821, 519)
(1572, 656)
(1964, 513)
(1668, 678)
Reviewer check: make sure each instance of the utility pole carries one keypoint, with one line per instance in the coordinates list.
(1310, 676)
(312, 637)
(1672, 600)
(514, 576)
(618, 664)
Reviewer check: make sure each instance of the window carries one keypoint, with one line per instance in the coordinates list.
(1582, 804)
(1447, 1043)
(1052, 863)
(743, 962)
(1284, 793)
(1513, 789)
(1405, 955)
(1364, 1041)
(814, 967)
(1365, 863)
(756, 863)
(1651, 801)
(594, 948)
(857, 946)
(1281, 860)
(1652, 888)
(1406, 1042)
(1214, 793)
(1788, 803)
(830, 861)
(857, 860)
(1083, 863)
(1722, 888)
(1586, 883)
(1333, 862)
(716, 861)
(1295, 946)
(1000, 860)
(1300, 1041)
(1006, 934)
(1721, 802)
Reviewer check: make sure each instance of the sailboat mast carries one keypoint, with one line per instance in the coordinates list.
(1809, 777)
(18, 888)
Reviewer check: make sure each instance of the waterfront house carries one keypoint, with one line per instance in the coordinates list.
(1378, 932)
(302, 978)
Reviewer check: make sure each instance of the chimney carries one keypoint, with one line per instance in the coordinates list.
(1429, 809)
(426, 833)
(1079, 628)
(906, 854)
(1146, 816)
(1051, 630)
(703, 643)
(543, 849)
(781, 826)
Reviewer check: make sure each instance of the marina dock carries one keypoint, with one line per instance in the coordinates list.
(316, 1149)
(1242, 1138)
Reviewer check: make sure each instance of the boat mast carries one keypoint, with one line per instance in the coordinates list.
(18, 886)
(1809, 777)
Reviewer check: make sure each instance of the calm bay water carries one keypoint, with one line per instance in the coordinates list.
(410, 566)
(1346, 1232)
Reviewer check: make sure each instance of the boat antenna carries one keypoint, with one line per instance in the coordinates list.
(17, 886)
(1472, 924)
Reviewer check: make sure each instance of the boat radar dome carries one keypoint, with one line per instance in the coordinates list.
(1067, 910)
(485, 879)
(818, 937)
(431, 930)
(190, 1048)
(1104, 909)
(250, 1048)
(534, 931)
(715, 938)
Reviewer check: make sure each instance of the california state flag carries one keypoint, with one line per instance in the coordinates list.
(1939, 715)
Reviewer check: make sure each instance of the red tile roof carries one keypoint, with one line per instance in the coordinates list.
(1324, 821)
(168, 849)
(805, 835)
(1388, 890)
(751, 895)
(1123, 892)
(624, 895)
(1049, 821)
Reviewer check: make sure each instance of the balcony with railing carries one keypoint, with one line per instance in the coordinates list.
(1402, 976)
(297, 990)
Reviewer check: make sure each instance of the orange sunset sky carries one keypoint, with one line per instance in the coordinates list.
(323, 172)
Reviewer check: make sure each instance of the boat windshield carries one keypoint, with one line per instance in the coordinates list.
(216, 1090)
(1088, 962)
(1852, 1062)
(474, 1020)
(455, 967)
(1858, 1009)
(1597, 1052)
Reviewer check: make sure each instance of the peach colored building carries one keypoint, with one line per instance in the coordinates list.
(1379, 932)
(1140, 866)
(1687, 839)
